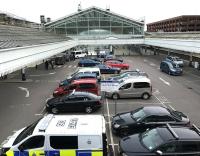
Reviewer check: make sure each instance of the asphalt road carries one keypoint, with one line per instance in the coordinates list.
(23, 102)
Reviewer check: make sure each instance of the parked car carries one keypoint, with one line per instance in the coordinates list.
(104, 69)
(176, 60)
(76, 101)
(170, 68)
(139, 120)
(60, 59)
(117, 64)
(112, 57)
(126, 74)
(132, 87)
(85, 85)
(96, 59)
(78, 54)
(77, 77)
(165, 140)
(87, 63)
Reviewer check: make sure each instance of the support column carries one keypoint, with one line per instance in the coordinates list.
(23, 74)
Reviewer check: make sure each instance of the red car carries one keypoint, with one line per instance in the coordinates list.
(85, 85)
(117, 64)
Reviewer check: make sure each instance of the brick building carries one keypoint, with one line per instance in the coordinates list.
(183, 23)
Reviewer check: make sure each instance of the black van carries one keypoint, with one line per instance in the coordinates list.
(170, 68)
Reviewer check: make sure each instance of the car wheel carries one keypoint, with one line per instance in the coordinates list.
(54, 110)
(145, 96)
(88, 109)
(115, 96)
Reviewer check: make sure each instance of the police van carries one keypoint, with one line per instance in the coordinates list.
(59, 135)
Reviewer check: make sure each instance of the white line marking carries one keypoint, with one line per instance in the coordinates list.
(43, 110)
(70, 66)
(38, 114)
(114, 144)
(145, 60)
(75, 66)
(165, 82)
(111, 137)
(172, 108)
(59, 66)
(152, 64)
(26, 90)
(52, 73)
(160, 101)
(65, 66)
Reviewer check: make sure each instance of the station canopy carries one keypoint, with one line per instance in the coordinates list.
(96, 22)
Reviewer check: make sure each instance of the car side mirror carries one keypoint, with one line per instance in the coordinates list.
(158, 152)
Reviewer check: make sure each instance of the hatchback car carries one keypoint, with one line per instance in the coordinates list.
(117, 64)
(85, 85)
(76, 101)
(146, 117)
(77, 77)
(87, 63)
(176, 60)
(104, 69)
(170, 68)
(165, 140)
(126, 74)
(112, 57)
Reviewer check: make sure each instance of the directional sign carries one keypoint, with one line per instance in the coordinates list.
(109, 86)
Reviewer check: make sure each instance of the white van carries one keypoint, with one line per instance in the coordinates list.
(87, 70)
(79, 54)
(60, 135)
(132, 87)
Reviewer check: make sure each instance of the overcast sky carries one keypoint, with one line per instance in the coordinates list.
(152, 10)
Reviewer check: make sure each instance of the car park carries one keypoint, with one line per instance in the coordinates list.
(126, 74)
(175, 59)
(170, 68)
(96, 59)
(117, 64)
(112, 57)
(139, 120)
(131, 88)
(74, 102)
(86, 85)
(165, 140)
(104, 69)
(59, 135)
(77, 77)
(87, 63)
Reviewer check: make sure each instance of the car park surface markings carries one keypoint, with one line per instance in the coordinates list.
(161, 102)
(69, 66)
(164, 81)
(109, 124)
(26, 90)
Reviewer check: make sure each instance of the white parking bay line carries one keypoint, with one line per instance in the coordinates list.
(38, 114)
(152, 64)
(164, 81)
(75, 66)
(69, 66)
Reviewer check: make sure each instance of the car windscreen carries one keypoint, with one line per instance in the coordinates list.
(138, 114)
(151, 139)
(26, 132)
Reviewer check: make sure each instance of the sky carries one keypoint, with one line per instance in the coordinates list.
(151, 10)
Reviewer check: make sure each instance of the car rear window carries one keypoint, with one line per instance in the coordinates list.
(87, 86)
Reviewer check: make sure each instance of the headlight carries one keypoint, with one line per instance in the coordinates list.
(116, 125)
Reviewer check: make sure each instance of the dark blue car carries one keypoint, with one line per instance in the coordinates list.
(104, 69)
(87, 63)
(77, 77)
(170, 68)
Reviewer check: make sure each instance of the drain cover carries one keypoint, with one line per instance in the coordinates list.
(189, 87)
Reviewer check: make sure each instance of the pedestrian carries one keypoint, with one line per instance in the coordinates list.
(51, 63)
(23, 74)
(46, 65)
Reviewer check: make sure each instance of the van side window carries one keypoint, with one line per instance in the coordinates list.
(87, 86)
(33, 142)
(126, 86)
(97, 73)
(141, 85)
(64, 142)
